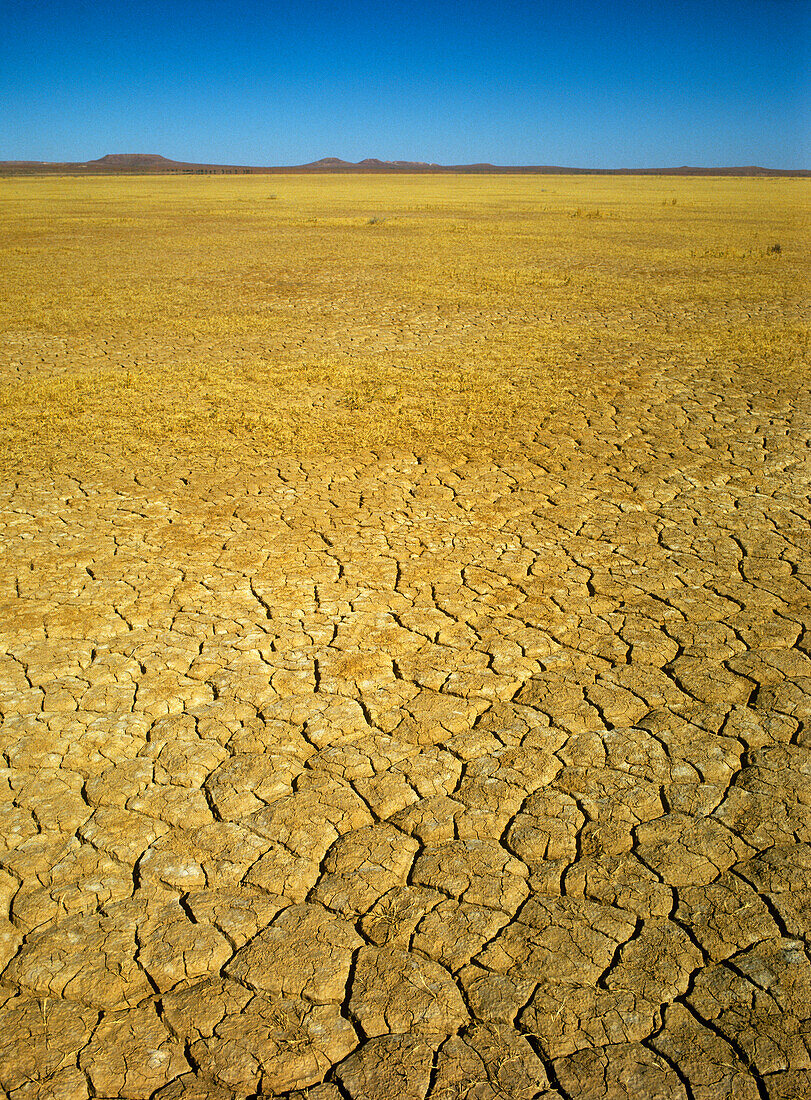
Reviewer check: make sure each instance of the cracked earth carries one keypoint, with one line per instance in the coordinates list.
(414, 778)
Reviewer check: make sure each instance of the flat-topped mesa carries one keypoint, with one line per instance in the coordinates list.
(132, 160)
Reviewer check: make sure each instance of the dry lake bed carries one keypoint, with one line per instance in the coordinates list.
(405, 663)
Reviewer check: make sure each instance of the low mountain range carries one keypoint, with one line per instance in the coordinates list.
(153, 164)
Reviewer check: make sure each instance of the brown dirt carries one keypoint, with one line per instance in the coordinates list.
(419, 778)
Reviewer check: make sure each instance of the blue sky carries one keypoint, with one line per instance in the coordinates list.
(582, 83)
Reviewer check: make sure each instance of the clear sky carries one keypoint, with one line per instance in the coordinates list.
(580, 83)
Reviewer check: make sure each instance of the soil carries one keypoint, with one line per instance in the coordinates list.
(413, 778)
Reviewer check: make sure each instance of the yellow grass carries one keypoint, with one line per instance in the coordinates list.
(250, 316)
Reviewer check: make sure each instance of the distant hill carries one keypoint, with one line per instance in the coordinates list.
(152, 164)
(118, 164)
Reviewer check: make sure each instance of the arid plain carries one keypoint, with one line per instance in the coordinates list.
(405, 665)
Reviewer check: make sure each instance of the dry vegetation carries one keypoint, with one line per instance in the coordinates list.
(245, 316)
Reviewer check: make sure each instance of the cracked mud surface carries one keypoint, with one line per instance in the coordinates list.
(418, 779)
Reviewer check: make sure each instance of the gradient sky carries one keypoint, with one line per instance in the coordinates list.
(580, 83)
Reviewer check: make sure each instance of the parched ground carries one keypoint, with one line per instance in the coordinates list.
(428, 780)
(405, 665)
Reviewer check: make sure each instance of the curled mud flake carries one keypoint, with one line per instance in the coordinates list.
(687, 851)
(480, 872)
(123, 834)
(54, 797)
(397, 992)
(190, 1086)
(562, 702)
(430, 820)
(790, 699)
(783, 868)
(770, 803)
(10, 940)
(351, 674)
(758, 1002)
(16, 826)
(622, 881)
(788, 1084)
(388, 792)
(453, 932)
(182, 807)
(216, 855)
(697, 799)
(81, 881)
(131, 1055)
(489, 1062)
(388, 1066)
(239, 912)
(545, 829)
(40, 1039)
(271, 1044)
(392, 920)
(306, 952)
(565, 938)
(281, 872)
(196, 1011)
(793, 909)
(310, 820)
(174, 951)
(726, 917)
(492, 996)
(710, 681)
(433, 718)
(620, 1070)
(88, 959)
(187, 763)
(332, 719)
(325, 1091)
(618, 705)
(247, 782)
(363, 865)
(657, 964)
(494, 787)
(564, 1018)
(704, 1058)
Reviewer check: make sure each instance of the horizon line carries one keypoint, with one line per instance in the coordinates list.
(155, 163)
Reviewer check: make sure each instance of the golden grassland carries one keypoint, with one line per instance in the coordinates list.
(226, 318)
